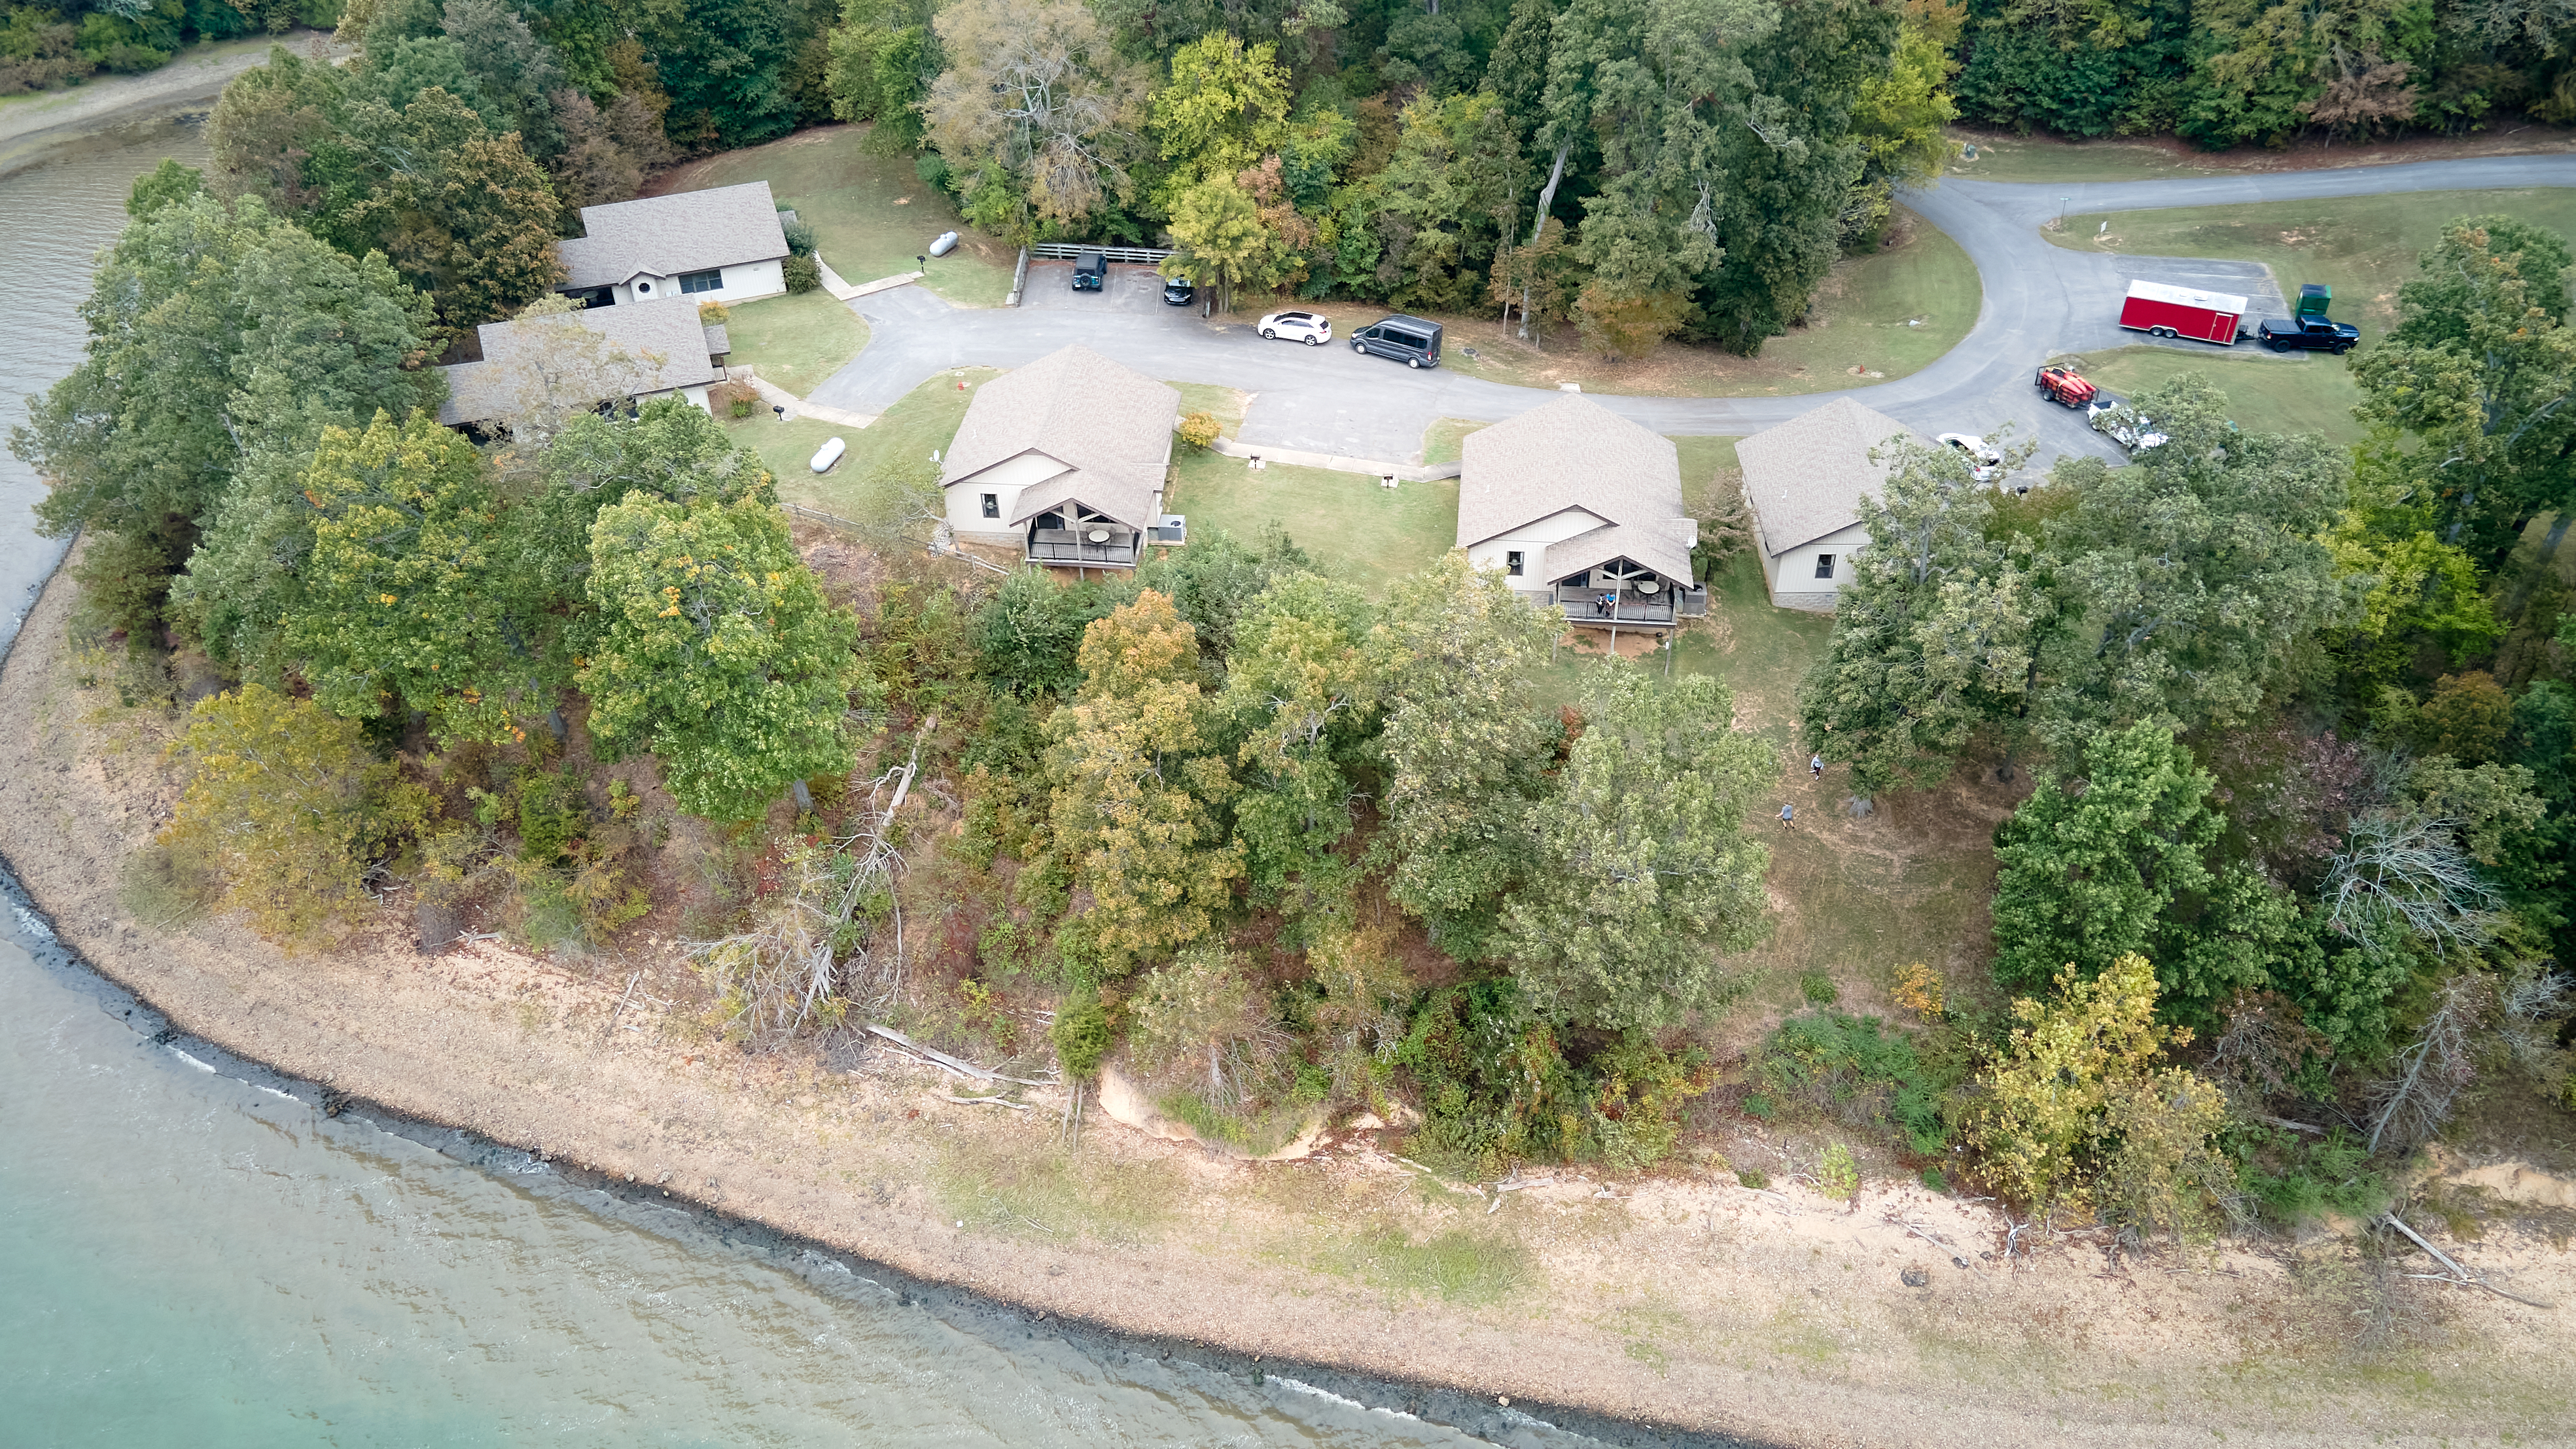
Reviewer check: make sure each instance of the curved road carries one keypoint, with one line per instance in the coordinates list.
(2039, 299)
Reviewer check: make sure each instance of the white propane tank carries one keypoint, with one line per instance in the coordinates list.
(947, 243)
(829, 454)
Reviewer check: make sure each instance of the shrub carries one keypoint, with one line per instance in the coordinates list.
(803, 274)
(1838, 1176)
(800, 236)
(1199, 430)
(285, 806)
(1853, 1069)
(714, 314)
(1081, 1035)
(1918, 990)
(1818, 988)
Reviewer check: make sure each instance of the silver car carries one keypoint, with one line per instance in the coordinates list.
(1984, 463)
(1311, 328)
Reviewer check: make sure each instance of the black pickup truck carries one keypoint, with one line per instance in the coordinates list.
(2315, 334)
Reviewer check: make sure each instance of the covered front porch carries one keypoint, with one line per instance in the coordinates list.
(1624, 593)
(1076, 537)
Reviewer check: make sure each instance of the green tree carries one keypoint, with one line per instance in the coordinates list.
(215, 331)
(285, 805)
(2126, 860)
(2191, 578)
(1136, 790)
(1654, 85)
(162, 185)
(1642, 873)
(1221, 241)
(1225, 108)
(1028, 632)
(469, 216)
(1301, 689)
(1202, 1016)
(718, 652)
(1935, 638)
(1465, 742)
(407, 601)
(2479, 381)
(725, 65)
(1791, 164)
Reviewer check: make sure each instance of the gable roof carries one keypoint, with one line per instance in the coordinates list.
(649, 347)
(689, 231)
(1111, 426)
(1805, 478)
(1573, 453)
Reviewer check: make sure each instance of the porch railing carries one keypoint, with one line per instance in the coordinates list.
(1082, 553)
(1584, 606)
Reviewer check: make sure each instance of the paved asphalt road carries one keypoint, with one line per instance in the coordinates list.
(2039, 299)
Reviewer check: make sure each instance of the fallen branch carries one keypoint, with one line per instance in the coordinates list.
(937, 1057)
(2459, 1275)
(995, 1101)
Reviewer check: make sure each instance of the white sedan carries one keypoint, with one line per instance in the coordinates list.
(1983, 462)
(1311, 328)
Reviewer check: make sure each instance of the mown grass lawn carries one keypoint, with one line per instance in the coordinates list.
(2362, 246)
(1355, 530)
(1445, 439)
(2003, 156)
(2311, 393)
(795, 342)
(871, 214)
(1224, 404)
(923, 420)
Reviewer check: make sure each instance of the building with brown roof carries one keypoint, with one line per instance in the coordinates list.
(723, 244)
(1580, 507)
(543, 367)
(1804, 481)
(1063, 459)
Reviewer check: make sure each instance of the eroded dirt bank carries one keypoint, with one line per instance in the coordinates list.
(1687, 1300)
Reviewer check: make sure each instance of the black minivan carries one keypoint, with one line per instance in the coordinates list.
(1408, 340)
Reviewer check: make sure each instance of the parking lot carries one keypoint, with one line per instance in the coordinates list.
(1128, 288)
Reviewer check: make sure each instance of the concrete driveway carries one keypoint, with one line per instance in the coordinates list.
(2039, 299)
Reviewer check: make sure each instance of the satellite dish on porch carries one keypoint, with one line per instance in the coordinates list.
(1098, 535)
(1647, 586)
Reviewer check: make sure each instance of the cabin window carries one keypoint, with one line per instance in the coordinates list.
(1824, 566)
(711, 280)
(1512, 563)
(992, 505)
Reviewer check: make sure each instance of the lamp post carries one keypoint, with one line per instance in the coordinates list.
(2061, 211)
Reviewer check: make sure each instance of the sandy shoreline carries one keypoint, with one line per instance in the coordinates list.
(1686, 1301)
(33, 127)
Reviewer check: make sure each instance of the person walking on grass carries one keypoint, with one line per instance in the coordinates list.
(1789, 815)
(1815, 767)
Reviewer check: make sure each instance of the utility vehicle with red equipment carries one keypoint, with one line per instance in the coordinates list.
(2065, 387)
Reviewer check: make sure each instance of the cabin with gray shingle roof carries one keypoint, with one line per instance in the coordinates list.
(573, 360)
(1063, 459)
(723, 244)
(1804, 481)
(1581, 508)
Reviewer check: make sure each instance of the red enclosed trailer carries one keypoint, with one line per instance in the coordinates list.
(2182, 312)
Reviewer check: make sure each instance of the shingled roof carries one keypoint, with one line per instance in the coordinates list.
(1111, 426)
(1806, 478)
(645, 347)
(1575, 453)
(689, 231)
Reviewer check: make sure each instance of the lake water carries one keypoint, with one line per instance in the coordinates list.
(189, 1253)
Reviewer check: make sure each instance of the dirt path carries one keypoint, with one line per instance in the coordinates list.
(32, 125)
(1684, 1299)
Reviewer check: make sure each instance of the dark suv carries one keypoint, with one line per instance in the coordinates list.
(2315, 334)
(1408, 340)
(1090, 270)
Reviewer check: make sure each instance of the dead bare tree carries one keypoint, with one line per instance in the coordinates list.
(2405, 872)
(820, 953)
(2412, 1104)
